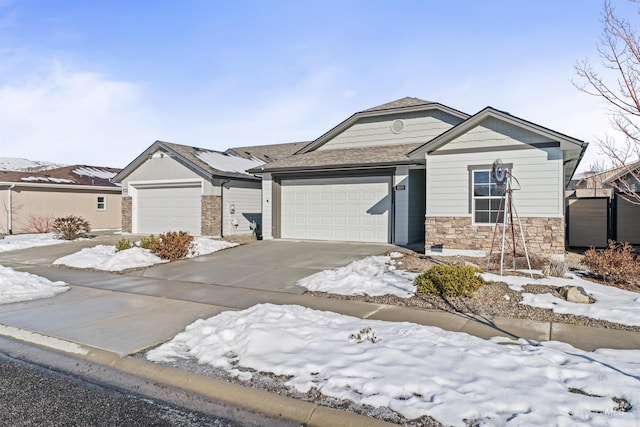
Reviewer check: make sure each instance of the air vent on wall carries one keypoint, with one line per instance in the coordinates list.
(397, 126)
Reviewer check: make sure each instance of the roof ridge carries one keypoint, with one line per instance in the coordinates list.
(407, 101)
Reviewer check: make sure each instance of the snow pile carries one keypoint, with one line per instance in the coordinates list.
(204, 246)
(103, 257)
(16, 286)
(24, 241)
(417, 370)
(612, 304)
(373, 276)
(106, 258)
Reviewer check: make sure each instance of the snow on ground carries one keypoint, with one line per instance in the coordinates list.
(204, 246)
(612, 304)
(417, 370)
(16, 286)
(376, 275)
(373, 276)
(24, 241)
(103, 257)
(19, 164)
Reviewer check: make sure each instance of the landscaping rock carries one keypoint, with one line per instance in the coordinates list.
(575, 294)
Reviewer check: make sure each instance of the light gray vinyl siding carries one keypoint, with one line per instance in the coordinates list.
(372, 131)
(164, 168)
(538, 171)
(246, 199)
(416, 205)
(494, 132)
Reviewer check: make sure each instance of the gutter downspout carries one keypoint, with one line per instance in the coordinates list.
(10, 213)
(222, 183)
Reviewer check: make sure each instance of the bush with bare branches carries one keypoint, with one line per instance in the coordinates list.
(616, 264)
(39, 224)
(71, 227)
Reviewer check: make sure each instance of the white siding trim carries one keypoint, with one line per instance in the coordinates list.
(401, 213)
(267, 206)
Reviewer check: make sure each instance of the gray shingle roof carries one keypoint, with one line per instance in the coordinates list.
(407, 101)
(73, 175)
(269, 153)
(190, 154)
(386, 155)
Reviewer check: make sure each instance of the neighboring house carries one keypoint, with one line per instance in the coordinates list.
(413, 170)
(172, 187)
(71, 190)
(598, 211)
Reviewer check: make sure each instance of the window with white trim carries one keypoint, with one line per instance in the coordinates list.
(488, 198)
(101, 204)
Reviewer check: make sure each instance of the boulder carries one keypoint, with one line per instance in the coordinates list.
(575, 294)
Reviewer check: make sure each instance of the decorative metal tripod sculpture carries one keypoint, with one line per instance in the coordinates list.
(503, 178)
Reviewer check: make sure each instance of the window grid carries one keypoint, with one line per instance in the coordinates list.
(487, 198)
(101, 203)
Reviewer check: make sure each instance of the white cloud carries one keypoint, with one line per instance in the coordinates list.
(69, 117)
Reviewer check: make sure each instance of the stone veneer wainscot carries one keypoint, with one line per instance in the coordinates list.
(544, 236)
(211, 214)
(127, 211)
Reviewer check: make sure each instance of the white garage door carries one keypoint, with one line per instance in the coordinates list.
(355, 209)
(168, 208)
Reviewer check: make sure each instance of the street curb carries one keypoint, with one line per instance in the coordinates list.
(258, 401)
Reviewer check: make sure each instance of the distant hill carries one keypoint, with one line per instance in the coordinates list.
(23, 165)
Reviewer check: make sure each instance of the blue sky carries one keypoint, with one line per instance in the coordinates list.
(97, 82)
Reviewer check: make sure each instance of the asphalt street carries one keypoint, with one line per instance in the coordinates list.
(31, 395)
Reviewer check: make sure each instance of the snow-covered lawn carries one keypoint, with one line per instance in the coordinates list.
(16, 286)
(373, 276)
(612, 304)
(103, 257)
(24, 241)
(378, 275)
(417, 370)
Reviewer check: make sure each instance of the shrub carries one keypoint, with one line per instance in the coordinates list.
(614, 264)
(123, 244)
(71, 227)
(449, 280)
(173, 245)
(39, 224)
(148, 242)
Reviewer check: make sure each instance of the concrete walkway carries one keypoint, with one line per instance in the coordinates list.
(126, 313)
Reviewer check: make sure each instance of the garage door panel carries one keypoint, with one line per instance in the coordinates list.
(350, 209)
(162, 209)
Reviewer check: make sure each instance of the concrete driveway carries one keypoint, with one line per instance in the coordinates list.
(154, 304)
(270, 265)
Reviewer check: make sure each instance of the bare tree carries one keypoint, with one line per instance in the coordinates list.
(619, 85)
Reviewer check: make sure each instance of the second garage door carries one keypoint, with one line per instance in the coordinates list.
(168, 208)
(355, 209)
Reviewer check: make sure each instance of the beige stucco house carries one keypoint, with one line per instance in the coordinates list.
(78, 190)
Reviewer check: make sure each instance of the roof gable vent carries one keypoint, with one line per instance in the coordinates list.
(397, 126)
